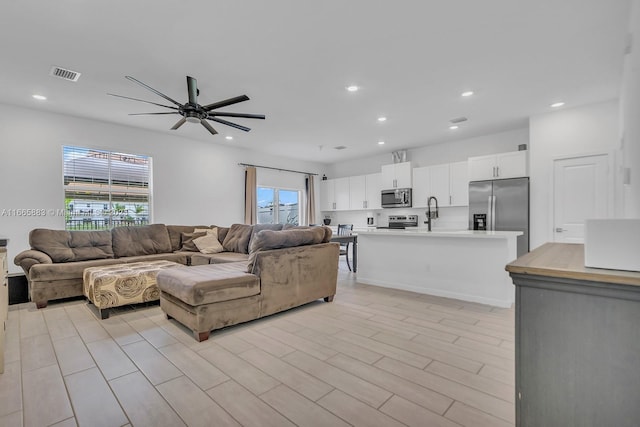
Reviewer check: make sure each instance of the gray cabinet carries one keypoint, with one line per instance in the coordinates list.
(577, 341)
(4, 302)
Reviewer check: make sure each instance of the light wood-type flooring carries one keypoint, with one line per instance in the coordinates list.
(373, 357)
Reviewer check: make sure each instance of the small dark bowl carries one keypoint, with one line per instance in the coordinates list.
(326, 221)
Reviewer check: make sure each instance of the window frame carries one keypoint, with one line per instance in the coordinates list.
(105, 219)
(276, 204)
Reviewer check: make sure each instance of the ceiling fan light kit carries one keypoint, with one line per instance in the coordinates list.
(193, 112)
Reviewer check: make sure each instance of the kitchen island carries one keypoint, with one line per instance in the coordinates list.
(465, 264)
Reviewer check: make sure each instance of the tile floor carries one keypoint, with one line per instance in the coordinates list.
(373, 357)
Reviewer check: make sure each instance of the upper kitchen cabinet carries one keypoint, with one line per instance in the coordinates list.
(498, 166)
(448, 183)
(334, 194)
(374, 187)
(397, 175)
(421, 187)
(364, 192)
(357, 192)
(459, 184)
(440, 182)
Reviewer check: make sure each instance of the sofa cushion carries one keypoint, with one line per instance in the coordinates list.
(206, 284)
(219, 258)
(175, 234)
(69, 246)
(209, 244)
(237, 239)
(187, 241)
(145, 240)
(268, 239)
(222, 232)
(327, 230)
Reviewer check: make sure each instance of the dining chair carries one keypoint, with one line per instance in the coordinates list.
(345, 230)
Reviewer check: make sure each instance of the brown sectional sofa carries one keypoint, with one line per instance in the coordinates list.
(285, 269)
(55, 263)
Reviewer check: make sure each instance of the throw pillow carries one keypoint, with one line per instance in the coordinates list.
(187, 241)
(209, 244)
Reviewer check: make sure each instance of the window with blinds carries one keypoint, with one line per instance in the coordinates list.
(105, 189)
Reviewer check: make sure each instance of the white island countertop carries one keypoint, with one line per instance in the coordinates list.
(422, 232)
(463, 264)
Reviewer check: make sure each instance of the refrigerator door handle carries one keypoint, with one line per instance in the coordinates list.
(490, 221)
(493, 212)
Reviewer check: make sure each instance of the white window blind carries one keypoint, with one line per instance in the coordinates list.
(103, 189)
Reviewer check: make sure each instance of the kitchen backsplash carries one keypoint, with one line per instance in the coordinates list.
(450, 218)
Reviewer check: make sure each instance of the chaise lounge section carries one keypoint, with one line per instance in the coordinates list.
(285, 269)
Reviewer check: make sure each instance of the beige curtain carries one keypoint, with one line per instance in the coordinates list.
(250, 208)
(311, 200)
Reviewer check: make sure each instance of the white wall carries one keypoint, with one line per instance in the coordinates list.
(194, 182)
(571, 132)
(630, 122)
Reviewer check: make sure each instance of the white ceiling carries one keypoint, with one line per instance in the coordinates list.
(412, 59)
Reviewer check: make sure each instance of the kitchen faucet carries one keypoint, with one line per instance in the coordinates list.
(431, 215)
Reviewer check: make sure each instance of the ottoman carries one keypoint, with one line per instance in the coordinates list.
(121, 284)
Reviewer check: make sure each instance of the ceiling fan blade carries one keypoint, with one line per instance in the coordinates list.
(226, 102)
(209, 127)
(192, 88)
(148, 114)
(153, 90)
(180, 123)
(142, 100)
(247, 116)
(234, 125)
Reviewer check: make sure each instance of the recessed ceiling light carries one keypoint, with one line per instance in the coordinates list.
(39, 97)
(229, 137)
(382, 119)
(380, 142)
(453, 127)
(467, 93)
(352, 88)
(557, 104)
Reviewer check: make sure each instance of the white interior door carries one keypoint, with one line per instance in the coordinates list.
(580, 192)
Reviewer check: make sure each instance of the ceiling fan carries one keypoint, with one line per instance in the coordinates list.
(193, 112)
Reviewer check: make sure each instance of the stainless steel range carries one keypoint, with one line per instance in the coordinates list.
(402, 221)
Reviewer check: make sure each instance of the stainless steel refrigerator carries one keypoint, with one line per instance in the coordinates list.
(502, 205)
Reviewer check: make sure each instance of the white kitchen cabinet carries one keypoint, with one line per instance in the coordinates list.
(459, 184)
(512, 164)
(357, 192)
(341, 191)
(449, 183)
(334, 194)
(498, 166)
(396, 175)
(364, 192)
(421, 187)
(327, 195)
(373, 189)
(439, 181)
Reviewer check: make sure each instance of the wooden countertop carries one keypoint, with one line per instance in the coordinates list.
(566, 260)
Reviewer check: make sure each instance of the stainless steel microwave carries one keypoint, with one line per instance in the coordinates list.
(397, 198)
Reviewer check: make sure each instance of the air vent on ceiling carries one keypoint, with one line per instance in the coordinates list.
(64, 74)
(458, 120)
(340, 147)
